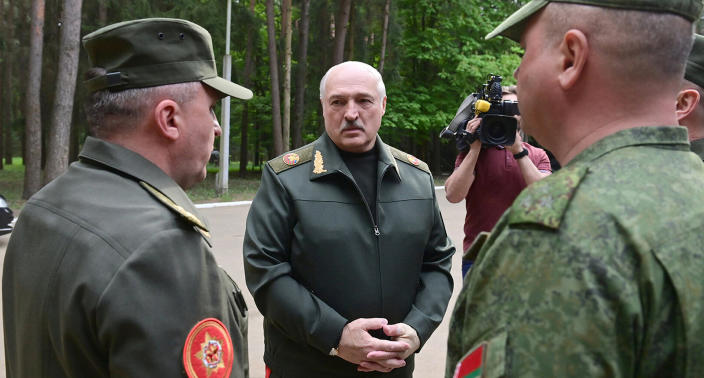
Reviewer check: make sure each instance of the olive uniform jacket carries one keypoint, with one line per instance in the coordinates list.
(316, 259)
(109, 271)
(595, 271)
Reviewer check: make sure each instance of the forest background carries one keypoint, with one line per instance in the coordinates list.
(431, 53)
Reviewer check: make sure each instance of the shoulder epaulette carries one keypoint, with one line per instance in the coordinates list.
(545, 202)
(409, 159)
(187, 216)
(291, 159)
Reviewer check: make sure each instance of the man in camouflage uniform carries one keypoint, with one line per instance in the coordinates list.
(345, 249)
(110, 272)
(690, 105)
(597, 269)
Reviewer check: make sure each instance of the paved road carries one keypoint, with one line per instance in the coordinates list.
(227, 227)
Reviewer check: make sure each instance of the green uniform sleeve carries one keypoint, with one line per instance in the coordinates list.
(563, 304)
(280, 297)
(145, 313)
(435, 286)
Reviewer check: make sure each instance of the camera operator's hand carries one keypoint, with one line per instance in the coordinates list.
(517, 145)
(471, 127)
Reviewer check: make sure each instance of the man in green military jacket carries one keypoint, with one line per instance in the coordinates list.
(596, 270)
(109, 272)
(690, 105)
(345, 249)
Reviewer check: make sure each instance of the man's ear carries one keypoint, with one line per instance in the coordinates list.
(166, 117)
(687, 101)
(574, 50)
(383, 106)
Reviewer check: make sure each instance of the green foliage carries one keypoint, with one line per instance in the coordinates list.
(435, 56)
(444, 58)
(11, 183)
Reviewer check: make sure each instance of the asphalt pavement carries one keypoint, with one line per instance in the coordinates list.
(227, 225)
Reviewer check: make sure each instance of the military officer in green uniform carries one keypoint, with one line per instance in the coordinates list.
(109, 272)
(345, 250)
(596, 270)
(690, 105)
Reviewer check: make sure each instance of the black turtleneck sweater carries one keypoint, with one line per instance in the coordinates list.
(363, 167)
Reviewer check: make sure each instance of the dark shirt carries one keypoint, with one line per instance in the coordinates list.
(363, 169)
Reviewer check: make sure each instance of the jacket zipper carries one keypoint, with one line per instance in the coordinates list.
(375, 227)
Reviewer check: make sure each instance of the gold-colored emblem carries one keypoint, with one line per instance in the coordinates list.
(318, 163)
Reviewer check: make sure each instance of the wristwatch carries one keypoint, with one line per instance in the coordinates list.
(520, 154)
(333, 352)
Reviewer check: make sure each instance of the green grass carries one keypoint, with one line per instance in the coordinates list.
(239, 189)
(11, 182)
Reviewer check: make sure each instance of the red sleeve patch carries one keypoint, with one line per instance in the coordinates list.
(208, 351)
(470, 366)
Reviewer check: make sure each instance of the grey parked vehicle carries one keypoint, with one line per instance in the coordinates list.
(7, 219)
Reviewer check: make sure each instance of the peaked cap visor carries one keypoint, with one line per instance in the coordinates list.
(228, 88)
(512, 27)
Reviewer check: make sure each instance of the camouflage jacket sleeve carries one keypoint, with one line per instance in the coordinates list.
(561, 293)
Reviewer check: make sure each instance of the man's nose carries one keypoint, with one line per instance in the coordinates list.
(351, 110)
(218, 129)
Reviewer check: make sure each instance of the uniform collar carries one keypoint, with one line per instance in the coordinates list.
(327, 159)
(675, 136)
(698, 147)
(130, 163)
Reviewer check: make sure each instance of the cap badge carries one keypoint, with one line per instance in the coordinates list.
(412, 159)
(208, 351)
(291, 158)
(318, 163)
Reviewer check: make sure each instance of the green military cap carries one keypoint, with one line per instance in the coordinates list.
(155, 51)
(695, 63)
(512, 27)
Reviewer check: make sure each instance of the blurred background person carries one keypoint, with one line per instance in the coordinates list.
(489, 178)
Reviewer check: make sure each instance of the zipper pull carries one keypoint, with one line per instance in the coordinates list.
(376, 231)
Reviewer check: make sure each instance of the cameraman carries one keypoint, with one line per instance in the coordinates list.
(490, 178)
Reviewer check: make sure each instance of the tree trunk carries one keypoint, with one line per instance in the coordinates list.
(299, 102)
(60, 131)
(102, 12)
(33, 128)
(326, 33)
(350, 35)
(384, 34)
(341, 20)
(274, 72)
(286, 26)
(4, 57)
(8, 95)
(247, 81)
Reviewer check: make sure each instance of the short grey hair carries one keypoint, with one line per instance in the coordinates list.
(639, 43)
(109, 112)
(380, 87)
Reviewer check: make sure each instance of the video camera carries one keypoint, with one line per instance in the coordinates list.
(498, 125)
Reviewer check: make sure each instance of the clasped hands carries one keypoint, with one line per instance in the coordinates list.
(371, 354)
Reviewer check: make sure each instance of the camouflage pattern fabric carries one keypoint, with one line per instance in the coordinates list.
(596, 270)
